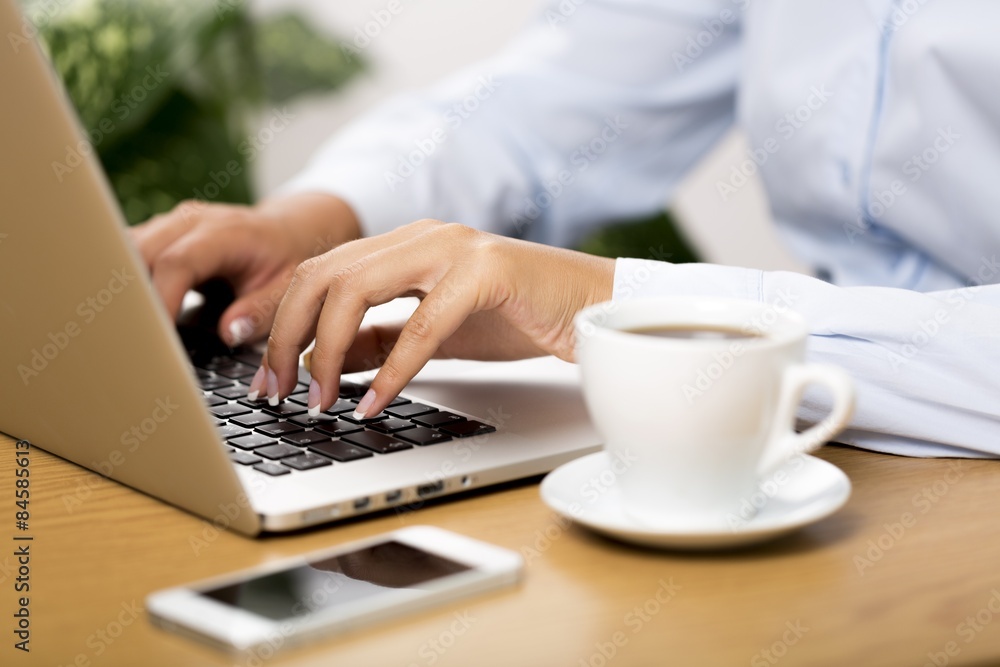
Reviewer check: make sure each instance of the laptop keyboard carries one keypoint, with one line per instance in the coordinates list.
(283, 439)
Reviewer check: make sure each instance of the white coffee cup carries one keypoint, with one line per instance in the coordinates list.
(700, 422)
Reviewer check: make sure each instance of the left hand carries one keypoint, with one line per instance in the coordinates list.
(482, 297)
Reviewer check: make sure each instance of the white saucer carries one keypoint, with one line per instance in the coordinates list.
(813, 490)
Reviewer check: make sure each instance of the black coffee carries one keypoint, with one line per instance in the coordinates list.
(694, 333)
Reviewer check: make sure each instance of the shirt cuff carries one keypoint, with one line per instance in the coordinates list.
(637, 278)
(377, 209)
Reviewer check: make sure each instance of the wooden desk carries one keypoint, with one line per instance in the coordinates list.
(99, 548)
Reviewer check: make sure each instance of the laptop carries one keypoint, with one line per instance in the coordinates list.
(95, 371)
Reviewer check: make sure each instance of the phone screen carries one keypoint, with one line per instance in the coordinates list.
(338, 581)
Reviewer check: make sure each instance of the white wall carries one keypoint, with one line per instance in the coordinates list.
(430, 38)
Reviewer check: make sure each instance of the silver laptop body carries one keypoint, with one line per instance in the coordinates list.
(92, 368)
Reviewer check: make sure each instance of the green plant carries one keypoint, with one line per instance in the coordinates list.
(656, 237)
(167, 89)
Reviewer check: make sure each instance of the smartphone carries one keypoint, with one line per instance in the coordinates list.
(288, 602)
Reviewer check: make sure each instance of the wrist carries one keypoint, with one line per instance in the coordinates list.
(315, 221)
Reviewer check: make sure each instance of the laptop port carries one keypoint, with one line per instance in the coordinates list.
(362, 503)
(425, 490)
(393, 496)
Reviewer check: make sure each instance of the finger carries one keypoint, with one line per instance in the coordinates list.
(335, 272)
(415, 266)
(484, 336)
(437, 317)
(250, 316)
(159, 232)
(192, 260)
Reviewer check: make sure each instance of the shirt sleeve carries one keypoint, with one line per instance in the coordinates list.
(594, 112)
(921, 364)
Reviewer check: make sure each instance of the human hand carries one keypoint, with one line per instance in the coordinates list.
(254, 248)
(482, 297)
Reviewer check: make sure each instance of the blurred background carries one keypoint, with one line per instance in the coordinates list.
(251, 89)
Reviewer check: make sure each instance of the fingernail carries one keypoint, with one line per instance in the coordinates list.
(240, 330)
(314, 396)
(256, 384)
(272, 388)
(364, 405)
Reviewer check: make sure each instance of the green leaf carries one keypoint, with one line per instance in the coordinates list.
(657, 237)
(296, 59)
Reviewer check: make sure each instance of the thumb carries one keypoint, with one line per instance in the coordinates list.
(250, 316)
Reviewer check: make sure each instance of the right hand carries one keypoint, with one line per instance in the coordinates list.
(254, 248)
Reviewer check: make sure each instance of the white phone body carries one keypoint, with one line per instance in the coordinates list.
(255, 609)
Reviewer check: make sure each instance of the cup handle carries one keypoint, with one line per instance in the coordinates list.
(784, 444)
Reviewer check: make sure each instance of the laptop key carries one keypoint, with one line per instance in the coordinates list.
(234, 392)
(249, 357)
(423, 436)
(341, 406)
(366, 420)
(259, 404)
(243, 458)
(227, 431)
(377, 442)
(277, 451)
(209, 384)
(438, 419)
(338, 450)
(285, 410)
(306, 420)
(229, 410)
(211, 401)
(391, 425)
(338, 428)
(236, 371)
(466, 429)
(252, 441)
(352, 390)
(304, 438)
(409, 410)
(278, 429)
(253, 419)
(306, 461)
(399, 400)
(272, 469)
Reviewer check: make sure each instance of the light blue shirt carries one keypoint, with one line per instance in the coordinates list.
(875, 125)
